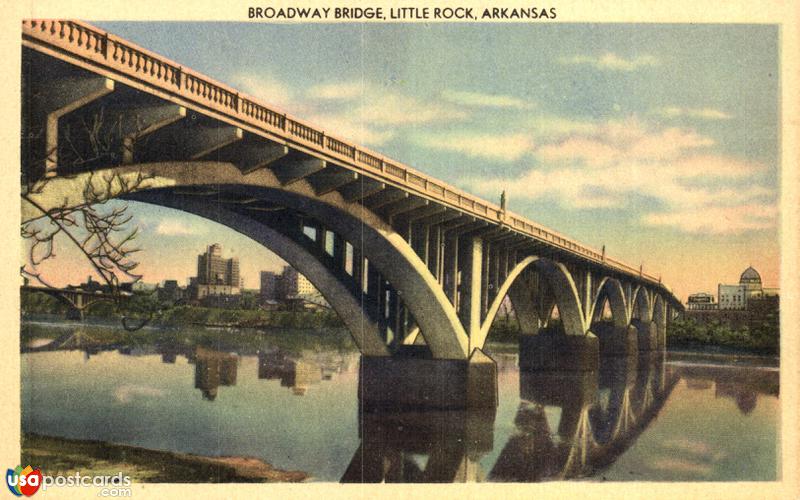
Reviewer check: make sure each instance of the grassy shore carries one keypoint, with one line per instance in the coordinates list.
(68, 456)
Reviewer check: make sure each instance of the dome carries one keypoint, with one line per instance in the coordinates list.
(750, 275)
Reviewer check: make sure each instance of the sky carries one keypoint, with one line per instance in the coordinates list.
(659, 141)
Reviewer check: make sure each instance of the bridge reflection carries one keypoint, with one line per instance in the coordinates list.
(568, 424)
(599, 416)
(428, 447)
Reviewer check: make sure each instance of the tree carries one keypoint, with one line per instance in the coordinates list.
(102, 230)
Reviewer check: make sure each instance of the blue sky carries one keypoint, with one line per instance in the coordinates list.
(659, 141)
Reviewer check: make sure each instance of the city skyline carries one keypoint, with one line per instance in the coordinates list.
(681, 178)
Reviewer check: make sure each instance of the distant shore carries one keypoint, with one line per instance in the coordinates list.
(63, 456)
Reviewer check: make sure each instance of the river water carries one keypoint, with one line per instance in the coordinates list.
(290, 399)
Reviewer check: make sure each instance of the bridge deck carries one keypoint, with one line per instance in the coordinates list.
(89, 47)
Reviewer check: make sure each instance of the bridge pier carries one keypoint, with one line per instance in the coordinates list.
(617, 341)
(551, 351)
(74, 314)
(413, 380)
(647, 335)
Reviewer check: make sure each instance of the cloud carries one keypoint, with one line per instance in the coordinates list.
(687, 186)
(611, 61)
(554, 127)
(338, 91)
(352, 129)
(362, 102)
(718, 220)
(477, 99)
(682, 466)
(397, 109)
(267, 89)
(504, 147)
(174, 227)
(702, 113)
(127, 393)
(619, 140)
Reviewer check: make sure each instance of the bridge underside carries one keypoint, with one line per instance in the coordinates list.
(412, 278)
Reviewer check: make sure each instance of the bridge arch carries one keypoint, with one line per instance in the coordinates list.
(383, 247)
(562, 286)
(611, 289)
(641, 305)
(660, 319)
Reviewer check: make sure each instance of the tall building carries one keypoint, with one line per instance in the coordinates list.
(286, 286)
(216, 275)
(295, 285)
(270, 284)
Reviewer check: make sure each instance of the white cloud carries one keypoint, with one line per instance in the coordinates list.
(619, 140)
(692, 188)
(174, 227)
(611, 61)
(718, 220)
(554, 127)
(127, 393)
(481, 100)
(352, 129)
(338, 91)
(362, 102)
(267, 89)
(505, 147)
(702, 113)
(398, 109)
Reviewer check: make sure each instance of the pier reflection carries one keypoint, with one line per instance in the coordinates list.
(571, 424)
(554, 425)
(428, 447)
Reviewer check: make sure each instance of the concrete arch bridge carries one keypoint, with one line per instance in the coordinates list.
(417, 269)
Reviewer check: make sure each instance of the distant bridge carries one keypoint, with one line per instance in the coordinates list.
(410, 263)
(77, 301)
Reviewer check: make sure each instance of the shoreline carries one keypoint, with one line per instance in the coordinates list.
(500, 345)
(65, 456)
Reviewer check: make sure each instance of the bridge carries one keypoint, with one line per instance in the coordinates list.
(416, 268)
(77, 301)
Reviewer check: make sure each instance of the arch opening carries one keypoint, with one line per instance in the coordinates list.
(398, 264)
(536, 287)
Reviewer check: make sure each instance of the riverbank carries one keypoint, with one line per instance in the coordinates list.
(199, 316)
(67, 456)
(758, 339)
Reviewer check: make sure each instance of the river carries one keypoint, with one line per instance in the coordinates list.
(290, 399)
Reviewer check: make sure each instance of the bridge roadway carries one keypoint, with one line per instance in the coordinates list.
(417, 269)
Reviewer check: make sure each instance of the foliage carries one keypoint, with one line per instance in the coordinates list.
(147, 305)
(760, 335)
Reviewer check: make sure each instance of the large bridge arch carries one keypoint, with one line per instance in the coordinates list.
(611, 289)
(378, 241)
(562, 286)
(363, 328)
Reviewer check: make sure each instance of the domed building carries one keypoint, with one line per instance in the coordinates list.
(751, 279)
(736, 296)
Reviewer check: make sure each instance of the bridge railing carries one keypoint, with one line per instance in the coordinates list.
(121, 56)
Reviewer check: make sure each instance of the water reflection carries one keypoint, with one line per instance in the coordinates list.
(430, 447)
(739, 383)
(213, 369)
(556, 425)
(599, 417)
